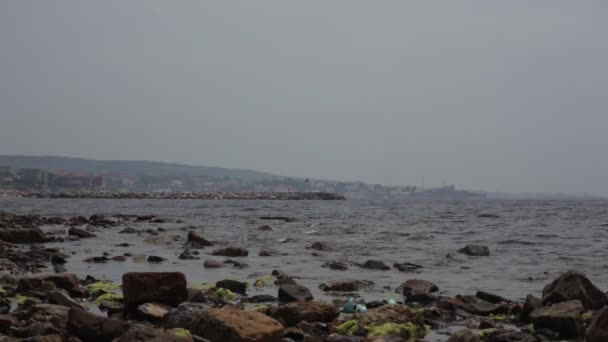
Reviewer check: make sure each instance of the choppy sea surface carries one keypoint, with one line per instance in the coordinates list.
(531, 242)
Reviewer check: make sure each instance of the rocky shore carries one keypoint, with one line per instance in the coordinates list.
(324, 196)
(41, 301)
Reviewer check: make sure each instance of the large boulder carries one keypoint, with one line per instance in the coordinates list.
(291, 314)
(236, 326)
(598, 329)
(563, 318)
(157, 287)
(418, 290)
(573, 285)
(294, 293)
(92, 328)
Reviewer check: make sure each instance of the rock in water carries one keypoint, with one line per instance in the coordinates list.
(375, 265)
(598, 329)
(157, 287)
(563, 318)
(231, 252)
(294, 293)
(232, 285)
(196, 240)
(33, 235)
(418, 290)
(475, 250)
(80, 233)
(321, 246)
(236, 326)
(573, 285)
(291, 314)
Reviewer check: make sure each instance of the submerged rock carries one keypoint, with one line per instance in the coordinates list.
(321, 246)
(375, 265)
(157, 287)
(231, 252)
(406, 267)
(573, 285)
(196, 240)
(236, 326)
(80, 233)
(475, 250)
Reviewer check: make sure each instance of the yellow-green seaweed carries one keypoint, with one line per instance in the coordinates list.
(348, 327)
(21, 299)
(109, 298)
(226, 295)
(181, 332)
(101, 287)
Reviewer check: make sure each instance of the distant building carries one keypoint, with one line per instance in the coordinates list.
(37, 178)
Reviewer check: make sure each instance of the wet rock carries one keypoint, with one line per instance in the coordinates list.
(321, 246)
(509, 336)
(236, 326)
(491, 298)
(416, 286)
(97, 259)
(291, 314)
(265, 228)
(213, 263)
(156, 287)
(232, 285)
(266, 252)
(62, 298)
(598, 329)
(187, 255)
(92, 328)
(83, 234)
(343, 285)
(375, 265)
(7, 321)
(488, 216)
(146, 334)
(155, 259)
(119, 258)
(294, 293)
(278, 218)
(231, 252)
(66, 281)
(152, 312)
(573, 285)
(336, 265)
(183, 315)
(475, 250)
(235, 264)
(564, 318)
(56, 315)
(196, 240)
(483, 308)
(532, 303)
(406, 267)
(129, 230)
(464, 335)
(261, 299)
(32, 235)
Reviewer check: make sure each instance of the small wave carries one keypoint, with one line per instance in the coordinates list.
(516, 242)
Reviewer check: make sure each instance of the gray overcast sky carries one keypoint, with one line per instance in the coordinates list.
(493, 95)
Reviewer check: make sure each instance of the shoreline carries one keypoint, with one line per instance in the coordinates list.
(283, 196)
(167, 306)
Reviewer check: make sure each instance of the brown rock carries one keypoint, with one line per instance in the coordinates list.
(598, 329)
(33, 235)
(464, 335)
(236, 326)
(563, 318)
(57, 315)
(159, 287)
(532, 303)
(211, 263)
(231, 252)
(294, 293)
(152, 312)
(509, 336)
(83, 234)
(344, 285)
(7, 321)
(66, 281)
(196, 240)
(574, 286)
(291, 314)
(145, 334)
(92, 328)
